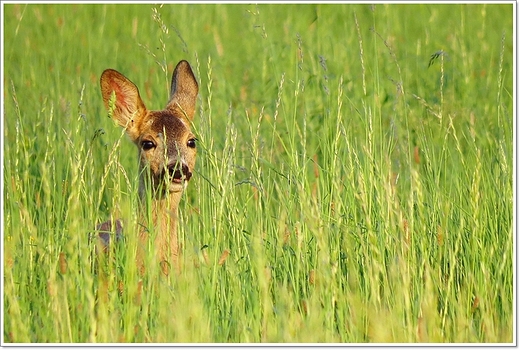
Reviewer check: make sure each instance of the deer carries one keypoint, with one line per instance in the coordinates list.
(166, 150)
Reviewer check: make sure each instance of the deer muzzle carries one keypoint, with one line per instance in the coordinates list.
(179, 172)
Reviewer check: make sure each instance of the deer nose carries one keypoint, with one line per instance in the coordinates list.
(179, 172)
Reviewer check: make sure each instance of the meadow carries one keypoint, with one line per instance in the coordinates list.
(354, 178)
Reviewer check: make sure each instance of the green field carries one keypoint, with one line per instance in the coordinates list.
(354, 179)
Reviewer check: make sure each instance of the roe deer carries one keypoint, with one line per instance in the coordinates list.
(167, 151)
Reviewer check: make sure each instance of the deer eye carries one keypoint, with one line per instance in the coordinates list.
(147, 145)
(192, 143)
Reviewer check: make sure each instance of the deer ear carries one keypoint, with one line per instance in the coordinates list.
(122, 100)
(184, 90)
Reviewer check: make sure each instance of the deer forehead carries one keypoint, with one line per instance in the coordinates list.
(167, 126)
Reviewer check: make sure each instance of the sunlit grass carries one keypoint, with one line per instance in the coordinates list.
(353, 179)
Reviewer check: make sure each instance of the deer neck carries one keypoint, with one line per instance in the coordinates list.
(159, 219)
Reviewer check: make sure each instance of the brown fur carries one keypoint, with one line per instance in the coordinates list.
(167, 154)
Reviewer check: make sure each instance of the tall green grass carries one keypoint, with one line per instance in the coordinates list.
(354, 181)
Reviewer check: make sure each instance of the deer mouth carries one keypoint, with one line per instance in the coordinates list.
(179, 177)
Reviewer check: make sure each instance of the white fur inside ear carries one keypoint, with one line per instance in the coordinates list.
(184, 122)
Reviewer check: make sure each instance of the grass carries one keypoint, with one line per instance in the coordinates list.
(354, 181)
